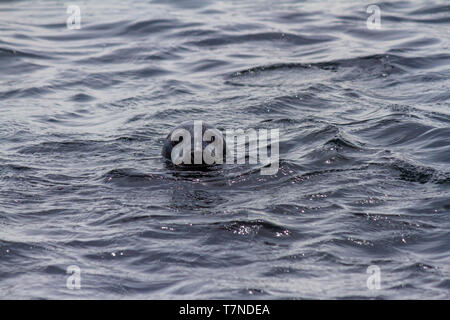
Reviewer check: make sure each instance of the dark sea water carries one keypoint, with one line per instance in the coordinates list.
(364, 170)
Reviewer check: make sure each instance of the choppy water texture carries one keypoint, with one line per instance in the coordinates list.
(364, 149)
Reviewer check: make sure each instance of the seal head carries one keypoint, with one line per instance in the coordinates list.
(194, 143)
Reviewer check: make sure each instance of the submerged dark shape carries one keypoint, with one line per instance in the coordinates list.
(197, 146)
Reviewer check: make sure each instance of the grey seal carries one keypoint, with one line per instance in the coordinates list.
(194, 143)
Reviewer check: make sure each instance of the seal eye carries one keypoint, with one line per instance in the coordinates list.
(174, 143)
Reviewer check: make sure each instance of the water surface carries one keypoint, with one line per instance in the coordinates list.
(364, 174)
